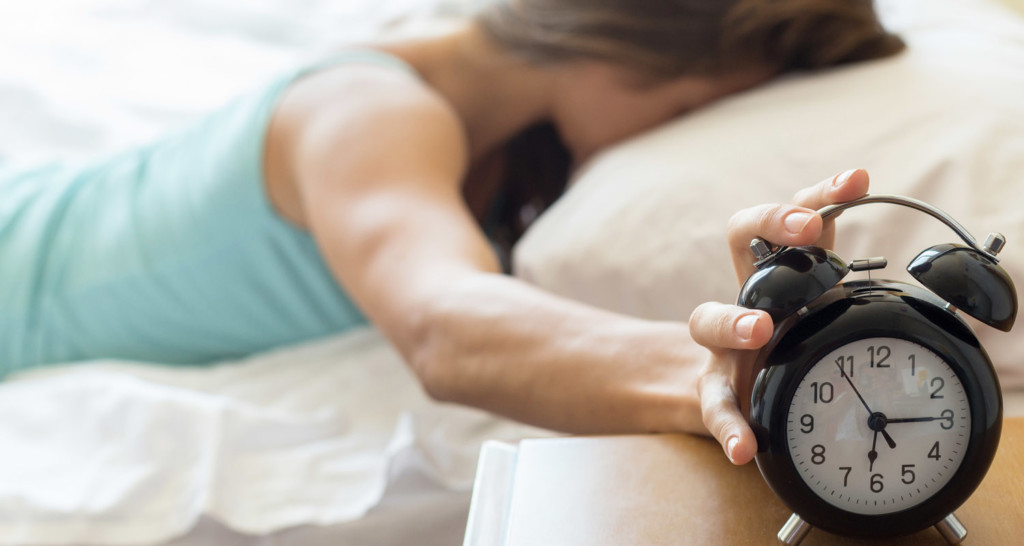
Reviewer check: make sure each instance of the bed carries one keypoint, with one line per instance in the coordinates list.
(278, 448)
(334, 442)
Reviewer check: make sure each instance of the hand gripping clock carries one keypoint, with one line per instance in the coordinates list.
(876, 410)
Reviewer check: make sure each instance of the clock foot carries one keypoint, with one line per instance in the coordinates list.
(794, 531)
(951, 529)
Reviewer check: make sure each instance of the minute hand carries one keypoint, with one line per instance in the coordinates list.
(914, 419)
(855, 391)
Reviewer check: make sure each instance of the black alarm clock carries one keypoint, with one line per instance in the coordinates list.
(876, 410)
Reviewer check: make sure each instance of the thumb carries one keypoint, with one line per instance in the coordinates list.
(724, 420)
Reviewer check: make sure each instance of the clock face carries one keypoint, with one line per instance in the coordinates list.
(878, 425)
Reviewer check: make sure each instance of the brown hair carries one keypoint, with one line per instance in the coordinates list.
(663, 39)
(670, 38)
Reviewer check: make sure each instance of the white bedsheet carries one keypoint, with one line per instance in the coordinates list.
(122, 453)
(78, 77)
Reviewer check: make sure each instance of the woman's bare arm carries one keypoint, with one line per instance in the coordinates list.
(380, 175)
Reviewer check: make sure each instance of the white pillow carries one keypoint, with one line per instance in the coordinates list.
(642, 228)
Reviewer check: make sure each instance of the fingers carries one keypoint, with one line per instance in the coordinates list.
(845, 186)
(792, 225)
(781, 224)
(788, 225)
(719, 326)
(727, 330)
(723, 419)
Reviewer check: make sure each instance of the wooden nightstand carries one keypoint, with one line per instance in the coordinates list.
(678, 489)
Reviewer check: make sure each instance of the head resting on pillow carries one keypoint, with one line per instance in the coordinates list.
(721, 42)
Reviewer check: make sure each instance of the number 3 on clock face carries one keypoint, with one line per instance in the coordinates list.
(878, 425)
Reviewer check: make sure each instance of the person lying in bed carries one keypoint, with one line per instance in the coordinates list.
(375, 187)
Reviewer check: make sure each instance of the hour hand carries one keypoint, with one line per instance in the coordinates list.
(888, 439)
(877, 422)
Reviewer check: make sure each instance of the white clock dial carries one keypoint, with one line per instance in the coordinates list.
(885, 433)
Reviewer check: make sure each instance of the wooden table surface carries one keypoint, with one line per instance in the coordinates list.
(675, 489)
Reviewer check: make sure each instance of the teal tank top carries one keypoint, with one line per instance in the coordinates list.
(170, 253)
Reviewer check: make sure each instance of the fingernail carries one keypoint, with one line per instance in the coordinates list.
(730, 446)
(745, 326)
(796, 221)
(842, 178)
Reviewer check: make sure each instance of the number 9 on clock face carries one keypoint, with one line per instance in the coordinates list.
(878, 425)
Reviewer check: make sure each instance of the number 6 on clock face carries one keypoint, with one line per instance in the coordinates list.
(878, 425)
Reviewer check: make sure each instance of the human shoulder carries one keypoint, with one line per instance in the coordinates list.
(356, 129)
(363, 104)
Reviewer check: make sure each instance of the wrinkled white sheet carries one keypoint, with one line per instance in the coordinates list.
(121, 453)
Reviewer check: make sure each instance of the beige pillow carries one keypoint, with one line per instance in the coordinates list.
(641, 230)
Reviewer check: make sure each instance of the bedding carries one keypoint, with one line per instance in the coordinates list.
(331, 442)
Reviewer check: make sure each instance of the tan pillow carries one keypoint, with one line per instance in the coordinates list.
(641, 230)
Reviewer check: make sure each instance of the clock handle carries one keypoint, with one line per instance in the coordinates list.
(969, 278)
(989, 249)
